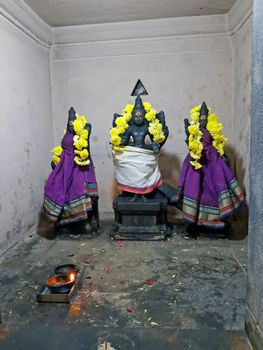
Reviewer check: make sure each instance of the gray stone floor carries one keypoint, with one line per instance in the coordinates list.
(196, 300)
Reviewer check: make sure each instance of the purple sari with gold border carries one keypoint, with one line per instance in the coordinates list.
(70, 187)
(212, 194)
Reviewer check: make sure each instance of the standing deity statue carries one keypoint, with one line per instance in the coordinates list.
(70, 195)
(208, 192)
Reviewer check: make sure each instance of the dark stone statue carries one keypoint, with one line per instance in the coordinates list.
(139, 128)
(140, 211)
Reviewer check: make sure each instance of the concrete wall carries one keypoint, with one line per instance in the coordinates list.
(241, 38)
(26, 128)
(254, 319)
(181, 62)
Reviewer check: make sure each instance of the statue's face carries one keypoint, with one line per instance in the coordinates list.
(203, 120)
(138, 116)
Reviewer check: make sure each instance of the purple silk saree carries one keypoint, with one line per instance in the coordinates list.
(69, 188)
(211, 194)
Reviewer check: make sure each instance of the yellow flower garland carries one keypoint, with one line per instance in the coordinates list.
(56, 154)
(80, 142)
(122, 124)
(195, 135)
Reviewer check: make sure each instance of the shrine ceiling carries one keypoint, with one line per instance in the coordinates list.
(77, 12)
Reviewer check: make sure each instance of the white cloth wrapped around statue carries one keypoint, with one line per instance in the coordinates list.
(136, 170)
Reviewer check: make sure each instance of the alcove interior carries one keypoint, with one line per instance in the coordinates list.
(50, 61)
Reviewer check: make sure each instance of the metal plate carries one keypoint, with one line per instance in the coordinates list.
(45, 296)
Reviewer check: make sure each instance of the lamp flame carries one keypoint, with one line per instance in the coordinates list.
(72, 277)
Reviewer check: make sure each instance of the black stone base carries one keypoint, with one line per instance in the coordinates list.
(141, 233)
(140, 217)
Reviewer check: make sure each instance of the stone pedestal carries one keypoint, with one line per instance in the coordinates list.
(140, 219)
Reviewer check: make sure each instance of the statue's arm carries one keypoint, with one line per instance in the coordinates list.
(115, 116)
(186, 125)
(154, 146)
(161, 117)
(89, 128)
(125, 138)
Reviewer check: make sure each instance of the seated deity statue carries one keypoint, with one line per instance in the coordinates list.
(136, 160)
(70, 194)
(208, 192)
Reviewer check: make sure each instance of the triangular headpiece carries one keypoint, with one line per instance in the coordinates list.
(139, 89)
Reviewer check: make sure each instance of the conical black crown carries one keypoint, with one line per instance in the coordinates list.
(204, 110)
(71, 114)
(138, 103)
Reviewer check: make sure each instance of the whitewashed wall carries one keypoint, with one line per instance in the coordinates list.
(187, 61)
(26, 128)
(242, 48)
(181, 62)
